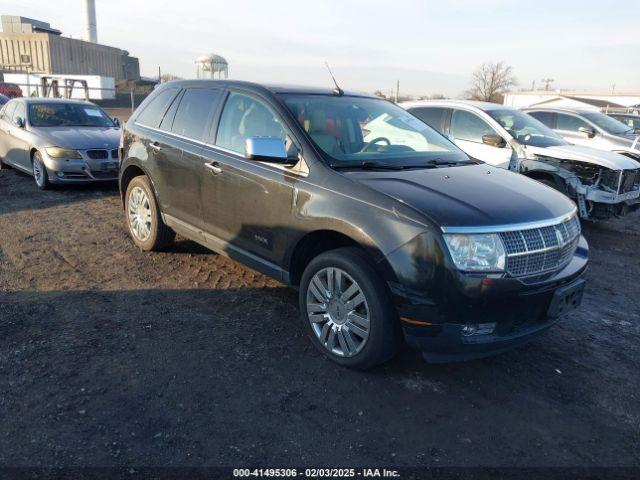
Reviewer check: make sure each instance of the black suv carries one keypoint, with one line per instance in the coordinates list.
(387, 229)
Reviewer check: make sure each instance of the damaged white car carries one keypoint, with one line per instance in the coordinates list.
(603, 184)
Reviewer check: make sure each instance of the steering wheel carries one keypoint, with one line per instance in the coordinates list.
(374, 141)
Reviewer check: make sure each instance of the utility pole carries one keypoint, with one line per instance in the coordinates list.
(547, 82)
(533, 86)
(159, 75)
(397, 90)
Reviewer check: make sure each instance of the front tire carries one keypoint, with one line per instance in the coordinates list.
(347, 310)
(40, 174)
(144, 222)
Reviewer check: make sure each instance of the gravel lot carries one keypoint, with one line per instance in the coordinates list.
(111, 356)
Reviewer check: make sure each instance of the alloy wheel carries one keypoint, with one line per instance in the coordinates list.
(338, 312)
(139, 213)
(38, 172)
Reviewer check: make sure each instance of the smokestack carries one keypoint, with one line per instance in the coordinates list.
(90, 28)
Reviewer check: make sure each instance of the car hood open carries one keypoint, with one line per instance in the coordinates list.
(80, 138)
(469, 196)
(611, 160)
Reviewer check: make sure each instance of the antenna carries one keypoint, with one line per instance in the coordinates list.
(337, 90)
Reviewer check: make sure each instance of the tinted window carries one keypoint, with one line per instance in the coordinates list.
(467, 126)
(432, 116)
(544, 117)
(154, 111)
(167, 121)
(569, 123)
(244, 117)
(193, 112)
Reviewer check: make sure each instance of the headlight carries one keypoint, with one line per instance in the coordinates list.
(477, 253)
(59, 152)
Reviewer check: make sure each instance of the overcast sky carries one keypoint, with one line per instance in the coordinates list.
(430, 46)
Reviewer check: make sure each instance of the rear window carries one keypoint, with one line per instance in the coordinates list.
(193, 112)
(152, 114)
(432, 116)
(544, 117)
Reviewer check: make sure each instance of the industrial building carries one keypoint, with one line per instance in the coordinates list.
(32, 46)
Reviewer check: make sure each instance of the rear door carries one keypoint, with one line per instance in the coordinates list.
(182, 171)
(467, 130)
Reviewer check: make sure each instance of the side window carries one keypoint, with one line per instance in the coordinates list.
(20, 111)
(193, 112)
(432, 116)
(167, 120)
(153, 113)
(569, 123)
(544, 117)
(244, 117)
(470, 127)
(8, 111)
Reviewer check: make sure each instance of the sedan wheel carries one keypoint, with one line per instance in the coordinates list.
(40, 172)
(139, 214)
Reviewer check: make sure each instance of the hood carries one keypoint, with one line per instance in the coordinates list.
(469, 196)
(603, 158)
(79, 138)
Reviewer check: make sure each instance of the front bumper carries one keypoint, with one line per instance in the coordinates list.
(82, 170)
(475, 316)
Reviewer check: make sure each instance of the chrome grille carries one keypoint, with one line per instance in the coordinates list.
(541, 250)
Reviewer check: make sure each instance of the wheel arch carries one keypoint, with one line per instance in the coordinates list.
(319, 241)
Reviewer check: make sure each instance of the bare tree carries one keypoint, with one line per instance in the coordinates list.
(490, 81)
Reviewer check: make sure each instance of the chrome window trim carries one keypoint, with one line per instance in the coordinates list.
(510, 227)
(231, 153)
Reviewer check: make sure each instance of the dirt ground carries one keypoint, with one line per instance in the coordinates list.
(112, 356)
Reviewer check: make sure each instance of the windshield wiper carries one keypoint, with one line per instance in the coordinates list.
(371, 165)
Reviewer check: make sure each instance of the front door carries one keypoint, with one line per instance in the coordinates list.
(246, 204)
(467, 130)
(569, 127)
(18, 147)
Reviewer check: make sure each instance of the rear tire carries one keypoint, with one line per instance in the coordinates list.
(144, 222)
(39, 171)
(347, 310)
(4, 166)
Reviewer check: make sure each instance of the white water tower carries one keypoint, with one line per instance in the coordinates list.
(211, 66)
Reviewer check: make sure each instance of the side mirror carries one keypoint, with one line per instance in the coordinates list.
(19, 121)
(266, 149)
(494, 141)
(116, 122)
(588, 131)
(637, 130)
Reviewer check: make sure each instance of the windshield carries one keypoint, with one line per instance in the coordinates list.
(358, 131)
(526, 129)
(608, 124)
(68, 115)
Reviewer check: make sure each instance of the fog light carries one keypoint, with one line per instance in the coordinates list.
(59, 174)
(468, 330)
(478, 329)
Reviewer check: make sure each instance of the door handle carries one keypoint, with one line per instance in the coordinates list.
(156, 146)
(214, 167)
